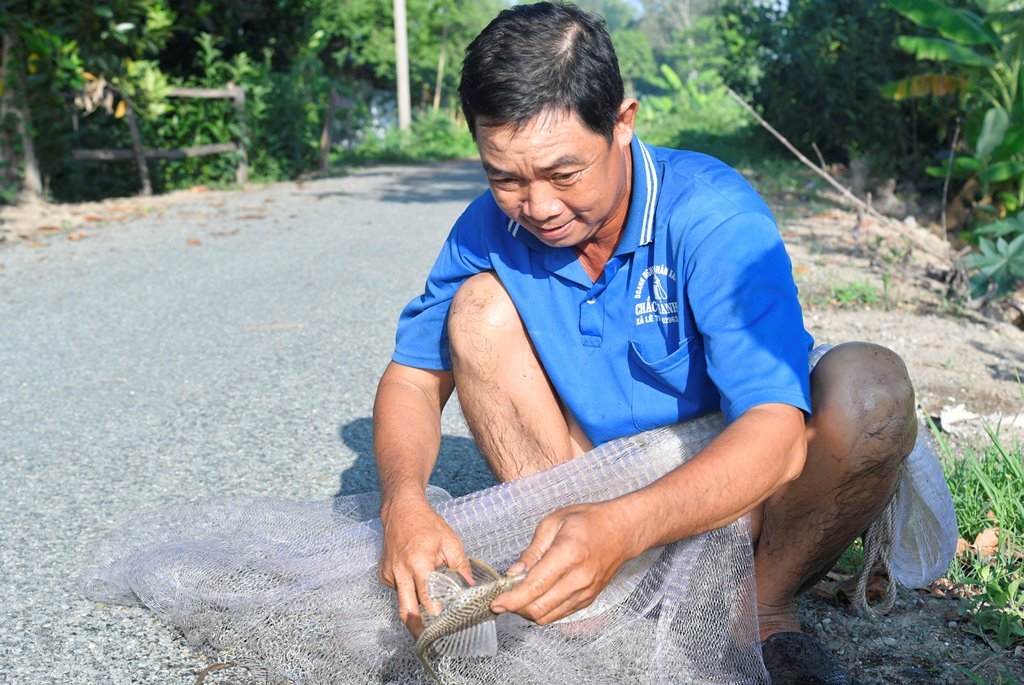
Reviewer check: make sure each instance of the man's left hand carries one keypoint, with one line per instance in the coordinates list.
(575, 552)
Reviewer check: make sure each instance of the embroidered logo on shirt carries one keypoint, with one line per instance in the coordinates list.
(654, 304)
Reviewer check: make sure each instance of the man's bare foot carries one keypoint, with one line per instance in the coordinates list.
(776, 619)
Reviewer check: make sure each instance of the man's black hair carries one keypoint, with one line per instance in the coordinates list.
(532, 58)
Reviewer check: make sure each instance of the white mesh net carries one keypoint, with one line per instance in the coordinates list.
(292, 590)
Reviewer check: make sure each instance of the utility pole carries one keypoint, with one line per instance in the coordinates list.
(402, 66)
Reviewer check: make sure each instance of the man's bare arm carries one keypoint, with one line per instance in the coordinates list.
(407, 436)
(577, 550)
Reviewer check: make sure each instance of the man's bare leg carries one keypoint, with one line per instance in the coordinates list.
(863, 427)
(512, 410)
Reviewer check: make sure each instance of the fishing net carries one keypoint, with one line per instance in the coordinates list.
(291, 588)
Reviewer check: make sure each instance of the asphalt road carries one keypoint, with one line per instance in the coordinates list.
(229, 345)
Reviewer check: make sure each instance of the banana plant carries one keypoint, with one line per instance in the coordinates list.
(979, 59)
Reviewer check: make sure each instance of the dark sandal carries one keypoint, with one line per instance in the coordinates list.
(798, 659)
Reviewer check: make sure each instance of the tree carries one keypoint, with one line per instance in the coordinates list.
(663, 20)
(618, 14)
(816, 68)
(636, 58)
(402, 65)
(52, 45)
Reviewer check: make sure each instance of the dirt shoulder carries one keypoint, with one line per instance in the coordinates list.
(862, 280)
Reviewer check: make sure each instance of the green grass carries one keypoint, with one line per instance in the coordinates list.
(987, 485)
(855, 294)
(431, 137)
(1003, 678)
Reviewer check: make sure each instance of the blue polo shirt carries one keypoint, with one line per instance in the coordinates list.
(695, 311)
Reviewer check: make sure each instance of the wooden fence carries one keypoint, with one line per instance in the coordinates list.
(142, 154)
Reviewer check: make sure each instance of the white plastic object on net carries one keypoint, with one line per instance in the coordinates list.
(926, 531)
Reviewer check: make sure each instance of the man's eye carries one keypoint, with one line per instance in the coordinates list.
(503, 183)
(564, 179)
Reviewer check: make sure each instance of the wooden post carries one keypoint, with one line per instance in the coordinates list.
(6, 147)
(140, 153)
(325, 133)
(402, 66)
(242, 172)
(33, 180)
(440, 66)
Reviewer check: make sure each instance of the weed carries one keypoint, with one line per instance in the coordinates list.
(856, 294)
(997, 612)
(889, 298)
(988, 493)
(433, 137)
(1003, 678)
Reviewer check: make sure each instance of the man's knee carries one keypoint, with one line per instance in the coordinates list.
(481, 310)
(863, 399)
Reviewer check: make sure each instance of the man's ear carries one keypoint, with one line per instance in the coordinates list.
(627, 121)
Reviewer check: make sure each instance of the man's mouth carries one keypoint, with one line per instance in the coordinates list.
(546, 230)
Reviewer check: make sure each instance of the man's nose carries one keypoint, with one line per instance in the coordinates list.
(542, 204)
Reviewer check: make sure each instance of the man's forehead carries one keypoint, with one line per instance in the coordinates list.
(545, 119)
(546, 142)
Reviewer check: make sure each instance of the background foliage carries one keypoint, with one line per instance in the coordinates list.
(917, 90)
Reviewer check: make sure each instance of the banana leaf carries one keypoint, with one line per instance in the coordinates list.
(993, 131)
(925, 85)
(960, 25)
(940, 50)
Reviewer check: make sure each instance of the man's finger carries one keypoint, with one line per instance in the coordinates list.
(527, 560)
(460, 564)
(541, 542)
(386, 576)
(409, 608)
(429, 604)
(529, 593)
(571, 605)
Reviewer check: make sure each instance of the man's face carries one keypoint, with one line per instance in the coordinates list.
(561, 181)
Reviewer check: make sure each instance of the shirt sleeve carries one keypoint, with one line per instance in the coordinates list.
(422, 337)
(741, 291)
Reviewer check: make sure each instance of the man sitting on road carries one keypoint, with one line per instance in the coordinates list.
(603, 287)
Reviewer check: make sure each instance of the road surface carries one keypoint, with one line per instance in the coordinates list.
(229, 344)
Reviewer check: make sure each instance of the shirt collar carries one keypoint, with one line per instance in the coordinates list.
(639, 229)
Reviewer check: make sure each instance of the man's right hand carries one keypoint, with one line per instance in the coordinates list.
(417, 541)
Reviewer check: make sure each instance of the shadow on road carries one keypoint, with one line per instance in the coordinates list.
(460, 467)
(445, 182)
